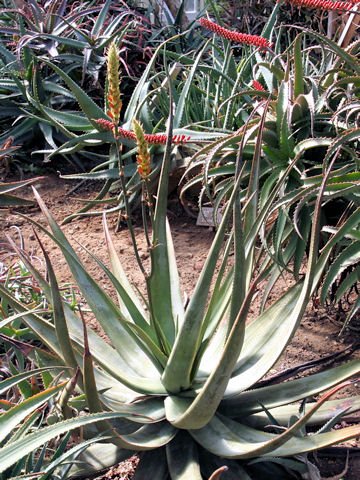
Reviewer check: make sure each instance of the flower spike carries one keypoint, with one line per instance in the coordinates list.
(180, 139)
(234, 36)
(324, 4)
(159, 139)
(126, 134)
(114, 100)
(105, 124)
(143, 158)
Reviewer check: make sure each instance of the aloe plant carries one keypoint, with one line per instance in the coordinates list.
(303, 120)
(64, 30)
(190, 370)
(26, 413)
(23, 419)
(197, 98)
(75, 36)
(303, 103)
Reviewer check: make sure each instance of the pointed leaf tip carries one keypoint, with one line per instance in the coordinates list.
(217, 474)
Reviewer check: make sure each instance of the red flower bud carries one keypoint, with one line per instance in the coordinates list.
(257, 85)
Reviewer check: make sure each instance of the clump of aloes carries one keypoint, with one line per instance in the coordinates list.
(184, 375)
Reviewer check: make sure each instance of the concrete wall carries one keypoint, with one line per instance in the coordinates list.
(192, 7)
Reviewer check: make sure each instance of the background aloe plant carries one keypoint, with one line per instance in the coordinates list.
(208, 109)
(39, 107)
(303, 120)
(7, 199)
(197, 98)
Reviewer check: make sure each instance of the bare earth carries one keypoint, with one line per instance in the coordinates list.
(317, 336)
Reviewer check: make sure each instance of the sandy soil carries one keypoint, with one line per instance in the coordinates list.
(317, 336)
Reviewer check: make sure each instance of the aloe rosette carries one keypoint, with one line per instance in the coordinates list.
(183, 376)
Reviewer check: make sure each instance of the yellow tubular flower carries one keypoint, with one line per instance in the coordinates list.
(143, 158)
(114, 100)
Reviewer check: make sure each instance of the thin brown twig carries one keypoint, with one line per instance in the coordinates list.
(290, 372)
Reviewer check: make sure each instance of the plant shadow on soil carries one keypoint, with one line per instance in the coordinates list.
(317, 336)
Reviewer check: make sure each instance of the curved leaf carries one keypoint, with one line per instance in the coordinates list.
(14, 451)
(17, 414)
(348, 257)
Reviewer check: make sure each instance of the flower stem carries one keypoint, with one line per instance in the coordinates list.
(126, 203)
